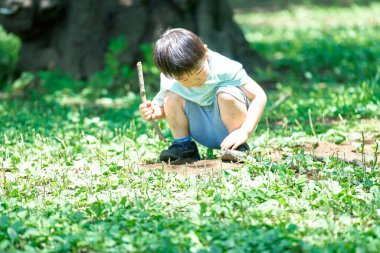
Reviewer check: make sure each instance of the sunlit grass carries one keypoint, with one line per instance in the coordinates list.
(316, 44)
(299, 18)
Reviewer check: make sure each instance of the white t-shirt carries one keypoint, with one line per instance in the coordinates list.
(223, 72)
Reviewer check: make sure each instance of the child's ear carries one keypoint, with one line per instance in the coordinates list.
(205, 45)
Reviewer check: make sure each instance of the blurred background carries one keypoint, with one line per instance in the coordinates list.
(81, 56)
(100, 43)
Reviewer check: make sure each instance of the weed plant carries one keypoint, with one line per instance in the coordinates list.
(9, 53)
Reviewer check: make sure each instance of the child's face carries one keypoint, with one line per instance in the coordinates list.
(197, 77)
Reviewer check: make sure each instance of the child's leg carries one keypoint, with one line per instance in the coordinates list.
(182, 149)
(206, 125)
(175, 115)
(232, 111)
(233, 107)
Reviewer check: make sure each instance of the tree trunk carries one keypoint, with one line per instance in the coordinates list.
(72, 35)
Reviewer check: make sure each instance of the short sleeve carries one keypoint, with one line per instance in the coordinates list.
(228, 72)
(165, 85)
(159, 98)
(236, 78)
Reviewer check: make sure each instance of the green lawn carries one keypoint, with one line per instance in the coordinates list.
(71, 180)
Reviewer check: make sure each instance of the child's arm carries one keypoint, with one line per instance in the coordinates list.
(256, 94)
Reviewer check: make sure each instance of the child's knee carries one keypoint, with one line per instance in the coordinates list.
(228, 99)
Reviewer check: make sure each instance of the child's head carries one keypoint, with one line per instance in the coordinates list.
(179, 53)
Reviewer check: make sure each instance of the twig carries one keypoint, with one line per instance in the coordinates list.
(362, 146)
(143, 97)
(279, 101)
(311, 124)
(375, 156)
(358, 163)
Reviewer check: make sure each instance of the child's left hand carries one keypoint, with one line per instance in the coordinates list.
(234, 139)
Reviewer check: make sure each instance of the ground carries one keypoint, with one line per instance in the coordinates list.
(347, 151)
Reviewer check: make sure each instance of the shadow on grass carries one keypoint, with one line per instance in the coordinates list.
(51, 119)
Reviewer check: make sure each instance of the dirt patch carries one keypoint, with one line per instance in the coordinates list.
(346, 151)
(199, 168)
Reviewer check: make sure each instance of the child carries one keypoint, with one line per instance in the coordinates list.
(204, 96)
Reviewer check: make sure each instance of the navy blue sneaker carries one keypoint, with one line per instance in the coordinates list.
(235, 155)
(180, 152)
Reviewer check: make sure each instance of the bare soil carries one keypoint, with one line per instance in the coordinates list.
(346, 151)
(199, 168)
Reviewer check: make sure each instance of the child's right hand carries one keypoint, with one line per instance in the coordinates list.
(149, 111)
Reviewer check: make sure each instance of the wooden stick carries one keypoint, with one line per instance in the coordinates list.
(279, 101)
(143, 98)
(354, 161)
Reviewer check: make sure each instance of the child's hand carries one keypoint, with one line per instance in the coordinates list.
(234, 139)
(149, 111)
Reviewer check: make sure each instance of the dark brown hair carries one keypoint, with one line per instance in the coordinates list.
(178, 52)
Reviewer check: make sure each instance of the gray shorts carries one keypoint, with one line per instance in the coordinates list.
(205, 123)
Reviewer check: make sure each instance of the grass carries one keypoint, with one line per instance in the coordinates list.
(71, 180)
(319, 44)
